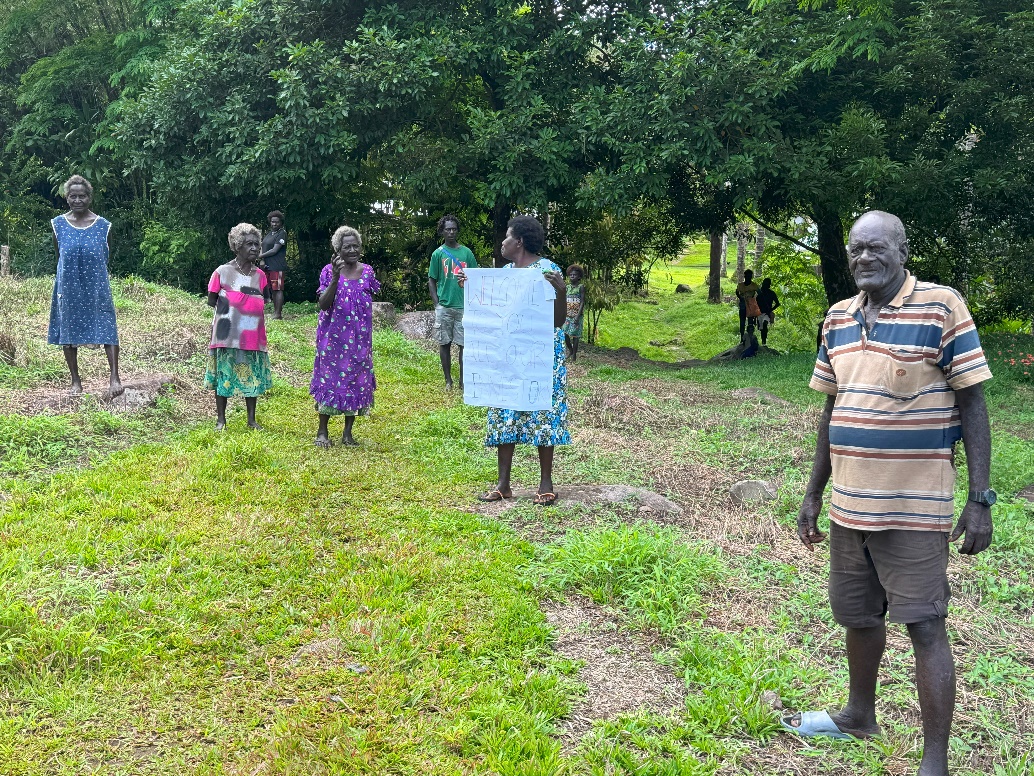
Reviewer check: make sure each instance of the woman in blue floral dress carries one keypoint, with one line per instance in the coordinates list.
(82, 311)
(543, 428)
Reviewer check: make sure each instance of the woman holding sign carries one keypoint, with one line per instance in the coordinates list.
(543, 428)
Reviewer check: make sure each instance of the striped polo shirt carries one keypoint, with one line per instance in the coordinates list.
(895, 420)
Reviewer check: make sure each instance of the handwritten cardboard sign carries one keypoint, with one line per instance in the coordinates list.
(508, 335)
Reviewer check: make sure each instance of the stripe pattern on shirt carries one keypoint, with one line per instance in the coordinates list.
(895, 419)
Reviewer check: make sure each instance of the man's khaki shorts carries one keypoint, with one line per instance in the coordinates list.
(448, 325)
(902, 575)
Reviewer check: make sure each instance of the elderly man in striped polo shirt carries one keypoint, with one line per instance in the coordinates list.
(904, 371)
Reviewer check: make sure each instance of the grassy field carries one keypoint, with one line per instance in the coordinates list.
(173, 600)
(667, 326)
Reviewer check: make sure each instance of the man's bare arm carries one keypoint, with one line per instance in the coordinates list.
(821, 471)
(975, 520)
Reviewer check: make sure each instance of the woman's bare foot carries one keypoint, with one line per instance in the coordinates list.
(115, 387)
(220, 425)
(348, 441)
(323, 441)
(254, 425)
(76, 389)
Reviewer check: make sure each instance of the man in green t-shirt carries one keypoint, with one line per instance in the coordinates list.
(446, 262)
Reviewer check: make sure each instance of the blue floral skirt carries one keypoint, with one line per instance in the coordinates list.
(542, 428)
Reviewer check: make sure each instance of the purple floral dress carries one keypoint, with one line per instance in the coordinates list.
(342, 377)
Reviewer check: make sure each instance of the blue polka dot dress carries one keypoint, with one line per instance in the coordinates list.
(82, 311)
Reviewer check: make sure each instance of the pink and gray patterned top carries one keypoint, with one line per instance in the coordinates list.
(240, 320)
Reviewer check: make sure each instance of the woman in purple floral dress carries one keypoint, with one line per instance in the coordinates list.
(342, 377)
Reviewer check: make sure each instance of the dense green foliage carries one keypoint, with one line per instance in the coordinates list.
(190, 116)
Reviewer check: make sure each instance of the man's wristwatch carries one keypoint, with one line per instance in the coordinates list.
(986, 497)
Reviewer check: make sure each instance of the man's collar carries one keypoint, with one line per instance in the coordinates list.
(899, 299)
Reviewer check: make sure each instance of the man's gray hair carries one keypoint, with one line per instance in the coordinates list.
(340, 235)
(897, 228)
(236, 236)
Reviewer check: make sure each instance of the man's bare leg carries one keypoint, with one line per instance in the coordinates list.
(865, 648)
(459, 358)
(864, 651)
(445, 353)
(935, 680)
(278, 305)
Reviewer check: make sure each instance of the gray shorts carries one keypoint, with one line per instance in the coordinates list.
(448, 325)
(902, 575)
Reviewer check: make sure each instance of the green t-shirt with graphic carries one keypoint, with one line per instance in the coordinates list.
(446, 262)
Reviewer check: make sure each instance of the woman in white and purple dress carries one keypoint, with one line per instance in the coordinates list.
(342, 376)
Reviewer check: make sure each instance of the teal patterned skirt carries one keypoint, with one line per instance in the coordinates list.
(236, 372)
(542, 428)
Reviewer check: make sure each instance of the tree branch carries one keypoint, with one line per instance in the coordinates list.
(778, 233)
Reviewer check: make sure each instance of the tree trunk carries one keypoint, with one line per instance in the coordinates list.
(759, 249)
(714, 280)
(836, 275)
(500, 218)
(741, 250)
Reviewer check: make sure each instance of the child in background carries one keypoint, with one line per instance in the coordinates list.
(575, 309)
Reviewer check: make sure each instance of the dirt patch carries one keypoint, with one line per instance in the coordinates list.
(620, 673)
(760, 395)
(579, 507)
(630, 358)
(141, 391)
(646, 502)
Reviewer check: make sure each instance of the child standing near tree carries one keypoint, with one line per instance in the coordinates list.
(575, 309)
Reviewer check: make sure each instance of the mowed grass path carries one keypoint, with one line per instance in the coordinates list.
(242, 603)
(152, 606)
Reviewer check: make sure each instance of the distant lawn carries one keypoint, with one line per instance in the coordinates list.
(674, 327)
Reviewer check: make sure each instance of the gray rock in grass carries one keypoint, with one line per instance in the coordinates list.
(753, 490)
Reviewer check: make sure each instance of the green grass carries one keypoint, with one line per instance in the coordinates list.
(173, 600)
(667, 326)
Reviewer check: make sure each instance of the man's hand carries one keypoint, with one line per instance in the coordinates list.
(808, 521)
(975, 523)
(461, 278)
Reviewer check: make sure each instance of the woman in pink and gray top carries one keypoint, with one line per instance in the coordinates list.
(238, 364)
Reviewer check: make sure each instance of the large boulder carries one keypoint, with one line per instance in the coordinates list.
(383, 315)
(416, 325)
